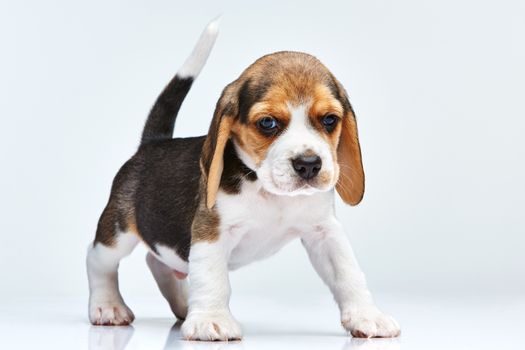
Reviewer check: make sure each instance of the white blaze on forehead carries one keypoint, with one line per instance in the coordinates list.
(299, 122)
(300, 136)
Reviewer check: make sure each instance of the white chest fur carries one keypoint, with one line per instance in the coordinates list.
(256, 224)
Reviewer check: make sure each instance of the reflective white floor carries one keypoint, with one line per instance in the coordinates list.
(495, 322)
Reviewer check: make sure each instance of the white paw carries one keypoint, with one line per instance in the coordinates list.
(110, 314)
(369, 322)
(211, 326)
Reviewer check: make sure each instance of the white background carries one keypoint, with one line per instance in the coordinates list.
(437, 86)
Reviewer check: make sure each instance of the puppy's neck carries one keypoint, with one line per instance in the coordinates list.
(235, 171)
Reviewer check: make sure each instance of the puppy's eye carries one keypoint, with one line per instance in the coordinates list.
(329, 122)
(268, 125)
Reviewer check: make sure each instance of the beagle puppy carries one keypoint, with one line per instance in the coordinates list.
(282, 140)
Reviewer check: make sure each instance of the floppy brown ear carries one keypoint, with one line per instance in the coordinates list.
(351, 183)
(212, 161)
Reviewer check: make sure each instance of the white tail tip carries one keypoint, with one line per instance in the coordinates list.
(194, 63)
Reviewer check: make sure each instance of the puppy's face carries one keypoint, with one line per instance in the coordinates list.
(287, 116)
(290, 136)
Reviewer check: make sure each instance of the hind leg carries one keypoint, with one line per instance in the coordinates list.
(175, 290)
(106, 306)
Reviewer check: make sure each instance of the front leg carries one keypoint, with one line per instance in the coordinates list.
(333, 259)
(209, 316)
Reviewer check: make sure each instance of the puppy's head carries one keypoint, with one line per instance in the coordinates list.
(291, 122)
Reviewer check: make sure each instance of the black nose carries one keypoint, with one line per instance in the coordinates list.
(307, 167)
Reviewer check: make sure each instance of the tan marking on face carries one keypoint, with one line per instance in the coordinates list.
(324, 103)
(251, 141)
(250, 138)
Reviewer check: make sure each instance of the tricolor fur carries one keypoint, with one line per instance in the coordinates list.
(283, 137)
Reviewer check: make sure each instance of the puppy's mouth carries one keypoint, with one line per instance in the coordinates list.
(313, 186)
(305, 189)
(299, 187)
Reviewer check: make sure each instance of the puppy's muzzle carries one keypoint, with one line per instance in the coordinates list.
(307, 167)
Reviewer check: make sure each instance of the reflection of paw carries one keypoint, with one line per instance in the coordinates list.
(373, 344)
(115, 338)
(369, 322)
(110, 314)
(211, 326)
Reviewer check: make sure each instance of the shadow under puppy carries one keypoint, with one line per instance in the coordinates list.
(282, 138)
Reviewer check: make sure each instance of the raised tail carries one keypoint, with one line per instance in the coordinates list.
(161, 119)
